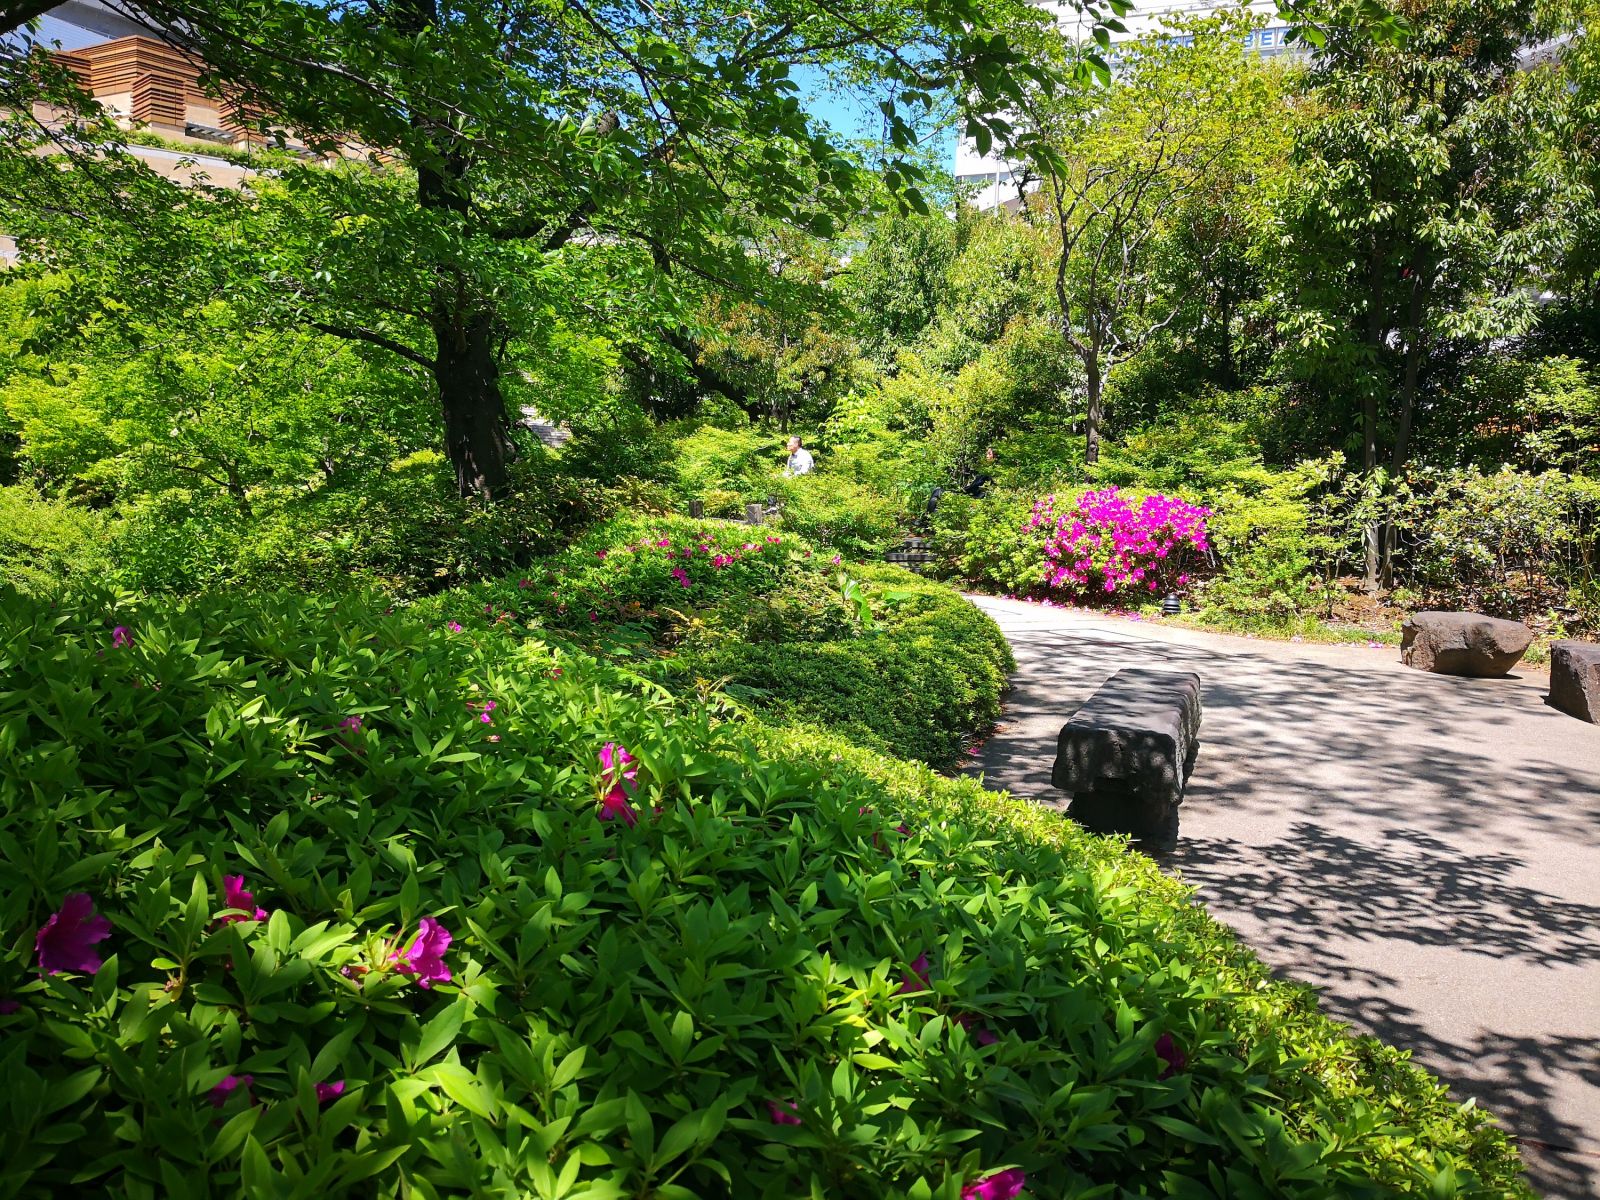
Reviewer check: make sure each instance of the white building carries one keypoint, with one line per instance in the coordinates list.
(992, 179)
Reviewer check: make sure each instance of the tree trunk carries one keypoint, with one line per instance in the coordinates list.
(476, 435)
(1369, 402)
(1408, 405)
(1095, 385)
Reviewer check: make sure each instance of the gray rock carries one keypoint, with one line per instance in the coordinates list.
(1459, 643)
(1575, 679)
(1125, 756)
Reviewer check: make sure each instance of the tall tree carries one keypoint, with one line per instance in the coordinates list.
(1119, 170)
(1409, 221)
(639, 142)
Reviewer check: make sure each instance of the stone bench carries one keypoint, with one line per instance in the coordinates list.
(1575, 679)
(1126, 754)
(1460, 643)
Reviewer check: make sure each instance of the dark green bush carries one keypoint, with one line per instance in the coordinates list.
(904, 665)
(402, 529)
(920, 681)
(624, 1003)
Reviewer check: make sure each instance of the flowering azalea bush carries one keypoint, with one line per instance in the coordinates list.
(248, 947)
(1106, 543)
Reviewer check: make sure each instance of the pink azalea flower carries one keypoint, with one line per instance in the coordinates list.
(229, 1085)
(1170, 1053)
(454, 626)
(664, 543)
(329, 1091)
(234, 896)
(615, 780)
(1001, 1185)
(835, 560)
(121, 636)
(424, 958)
(65, 941)
(599, 553)
(524, 583)
(916, 979)
(614, 806)
(681, 576)
(783, 1112)
(351, 725)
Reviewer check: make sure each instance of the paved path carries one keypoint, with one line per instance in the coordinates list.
(1425, 849)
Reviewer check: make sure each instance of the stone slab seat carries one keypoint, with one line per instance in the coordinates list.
(1462, 643)
(1575, 679)
(1126, 754)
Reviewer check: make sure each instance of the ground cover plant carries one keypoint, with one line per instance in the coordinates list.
(299, 898)
(800, 634)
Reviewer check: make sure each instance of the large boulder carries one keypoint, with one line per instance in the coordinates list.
(1460, 643)
(1575, 679)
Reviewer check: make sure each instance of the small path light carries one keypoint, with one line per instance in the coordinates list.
(1171, 606)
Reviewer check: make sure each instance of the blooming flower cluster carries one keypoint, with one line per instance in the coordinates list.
(1106, 542)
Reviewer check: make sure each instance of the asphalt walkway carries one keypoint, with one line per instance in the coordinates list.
(1424, 848)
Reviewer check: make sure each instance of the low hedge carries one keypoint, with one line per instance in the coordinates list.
(801, 970)
(921, 683)
(898, 663)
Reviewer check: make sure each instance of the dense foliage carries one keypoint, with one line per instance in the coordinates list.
(327, 901)
(899, 664)
(401, 795)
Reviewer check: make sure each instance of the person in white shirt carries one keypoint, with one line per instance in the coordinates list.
(800, 461)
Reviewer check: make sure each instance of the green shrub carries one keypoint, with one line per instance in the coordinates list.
(903, 664)
(403, 529)
(625, 1005)
(1274, 541)
(45, 542)
(1506, 543)
(988, 543)
(920, 681)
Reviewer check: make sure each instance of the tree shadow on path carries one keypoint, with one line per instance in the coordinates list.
(1424, 849)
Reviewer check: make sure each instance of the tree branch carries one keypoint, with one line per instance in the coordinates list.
(356, 333)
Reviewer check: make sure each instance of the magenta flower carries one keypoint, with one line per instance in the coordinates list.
(783, 1112)
(835, 560)
(234, 896)
(351, 725)
(1000, 1185)
(329, 1091)
(599, 553)
(615, 780)
(65, 941)
(424, 958)
(454, 626)
(916, 979)
(121, 636)
(1170, 1053)
(229, 1085)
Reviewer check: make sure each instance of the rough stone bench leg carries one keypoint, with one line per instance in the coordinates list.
(1126, 755)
